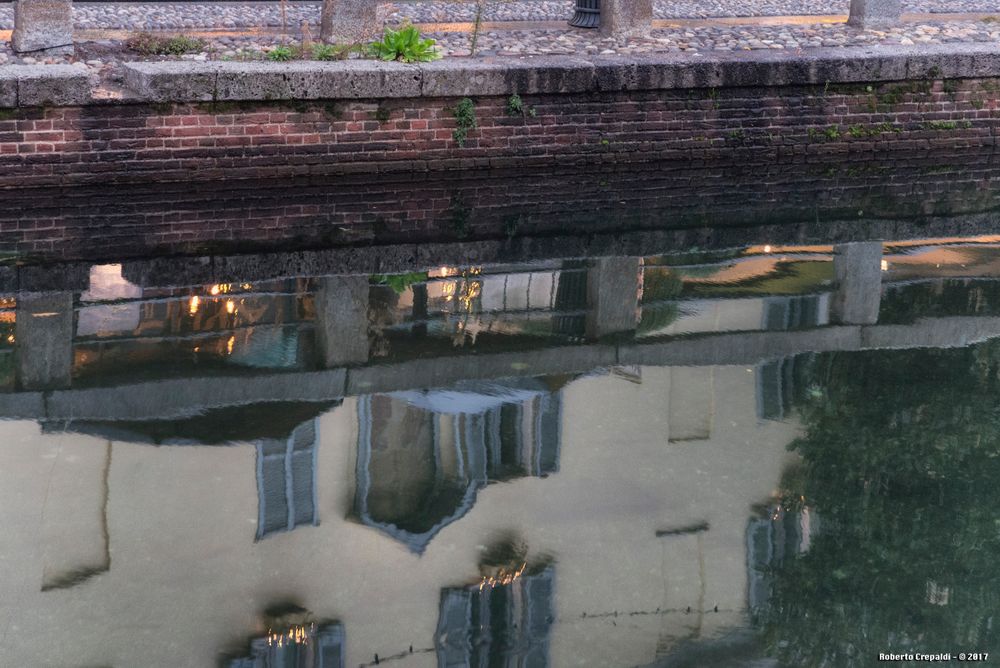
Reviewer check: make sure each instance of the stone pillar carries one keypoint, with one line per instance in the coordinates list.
(349, 21)
(858, 271)
(874, 13)
(626, 18)
(342, 320)
(43, 25)
(44, 336)
(612, 296)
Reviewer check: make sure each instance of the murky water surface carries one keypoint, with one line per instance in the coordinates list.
(769, 455)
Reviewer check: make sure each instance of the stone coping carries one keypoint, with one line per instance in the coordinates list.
(188, 81)
(180, 81)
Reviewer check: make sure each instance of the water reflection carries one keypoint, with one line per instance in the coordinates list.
(766, 456)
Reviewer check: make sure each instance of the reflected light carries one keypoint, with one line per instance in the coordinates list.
(502, 578)
(297, 635)
(885, 265)
(193, 304)
(229, 345)
(230, 306)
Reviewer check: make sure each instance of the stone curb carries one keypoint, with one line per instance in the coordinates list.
(454, 77)
(43, 85)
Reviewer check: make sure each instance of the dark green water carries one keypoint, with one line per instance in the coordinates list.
(757, 456)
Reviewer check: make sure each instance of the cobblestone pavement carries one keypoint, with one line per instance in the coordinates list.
(191, 14)
(718, 38)
(101, 58)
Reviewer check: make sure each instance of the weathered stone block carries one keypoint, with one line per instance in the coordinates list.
(8, 88)
(42, 24)
(349, 21)
(626, 18)
(51, 85)
(874, 13)
(313, 81)
(172, 81)
(546, 74)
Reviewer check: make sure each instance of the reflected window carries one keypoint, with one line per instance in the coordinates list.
(315, 647)
(770, 540)
(781, 384)
(286, 481)
(505, 625)
(798, 312)
(423, 456)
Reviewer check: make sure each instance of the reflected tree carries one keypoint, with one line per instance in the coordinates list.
(901, 460)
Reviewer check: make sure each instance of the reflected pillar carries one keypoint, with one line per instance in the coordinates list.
(75, 532)
(612, 296)
(44, 335)
(858, 271)
(342, 320)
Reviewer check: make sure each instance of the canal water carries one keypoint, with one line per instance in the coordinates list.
(757, 455)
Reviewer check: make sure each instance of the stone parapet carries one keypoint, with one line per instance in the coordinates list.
(359, 79)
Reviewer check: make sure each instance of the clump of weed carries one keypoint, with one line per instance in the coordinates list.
(282, 54)
(515, 105)
(149, 44)
(465, 117)
(333, 51)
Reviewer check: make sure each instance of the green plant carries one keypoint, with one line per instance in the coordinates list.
(857, 131)
(885, 127)
(281, 54)
(400, 282)
(477, 26)
(713, 95)
(382, 114)
(405, 45)
(148, 44)
(832, 132)
(515, 105)
(459, 216)
(322, 51)
(465, 118)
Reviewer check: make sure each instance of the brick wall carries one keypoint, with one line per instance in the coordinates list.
(180, 142)
(710, 204)
(340, 173)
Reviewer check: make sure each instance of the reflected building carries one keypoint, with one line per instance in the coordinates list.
(424, 455)
(375, 512)
(199, 466)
